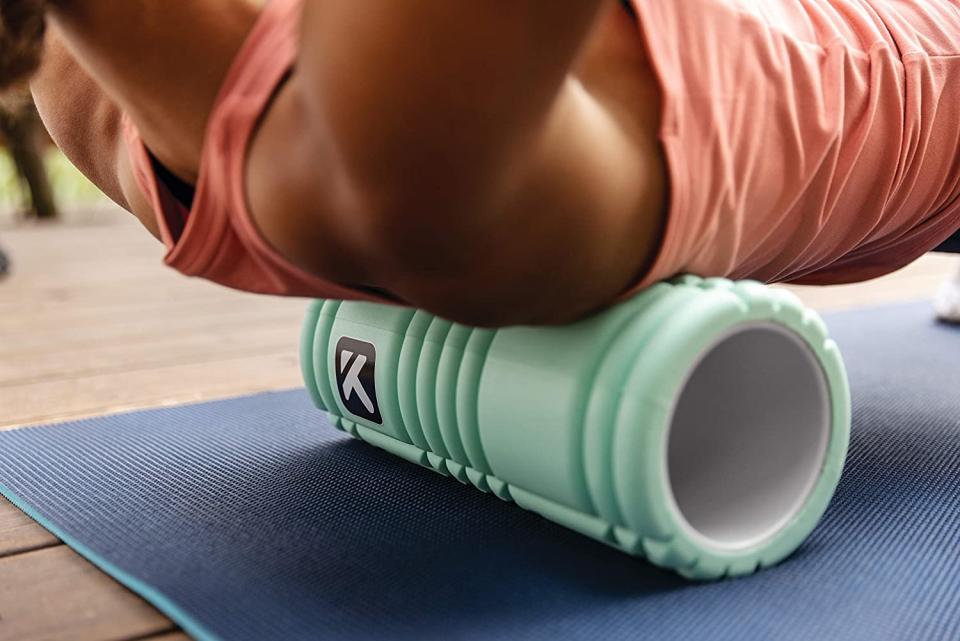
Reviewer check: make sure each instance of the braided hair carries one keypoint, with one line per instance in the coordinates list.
(22, 26)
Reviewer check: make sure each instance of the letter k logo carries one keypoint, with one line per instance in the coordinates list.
(355, 363)
(351, 382)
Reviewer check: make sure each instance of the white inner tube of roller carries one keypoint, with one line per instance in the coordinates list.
(748, 436)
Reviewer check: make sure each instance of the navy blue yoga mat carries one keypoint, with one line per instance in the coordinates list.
(254, 519)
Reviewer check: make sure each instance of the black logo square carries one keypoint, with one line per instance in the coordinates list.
(355, 363)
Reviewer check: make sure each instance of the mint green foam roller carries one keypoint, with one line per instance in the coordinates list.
(702, 424)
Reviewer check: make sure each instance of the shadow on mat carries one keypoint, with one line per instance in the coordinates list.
(392, 540)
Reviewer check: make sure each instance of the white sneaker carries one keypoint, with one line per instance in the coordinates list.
(947, 302)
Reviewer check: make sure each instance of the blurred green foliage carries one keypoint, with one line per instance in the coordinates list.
(70, 188)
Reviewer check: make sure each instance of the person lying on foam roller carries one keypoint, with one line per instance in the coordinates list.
(508, 162)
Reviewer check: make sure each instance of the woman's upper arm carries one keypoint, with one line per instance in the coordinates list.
(578, 223)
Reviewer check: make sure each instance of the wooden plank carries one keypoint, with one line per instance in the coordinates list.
(142, 295)
(19, 533)
(55, 595)
(173, 636)
(77, 298)
(130, 332)
(55, 400)
(152, 352)
(919, 280)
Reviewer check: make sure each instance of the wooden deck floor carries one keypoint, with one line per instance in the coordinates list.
(90, 323)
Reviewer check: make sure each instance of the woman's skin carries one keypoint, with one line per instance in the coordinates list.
(492, 162)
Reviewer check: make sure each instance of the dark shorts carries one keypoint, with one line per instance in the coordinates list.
(951, 245)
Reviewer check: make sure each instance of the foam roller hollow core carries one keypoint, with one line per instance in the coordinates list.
(702, 424)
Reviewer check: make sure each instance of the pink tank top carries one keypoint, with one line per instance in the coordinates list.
(812, 141)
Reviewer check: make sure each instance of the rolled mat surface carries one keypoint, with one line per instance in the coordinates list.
(254, 519)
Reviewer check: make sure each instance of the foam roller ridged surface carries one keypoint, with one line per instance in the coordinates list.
(571, 422)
